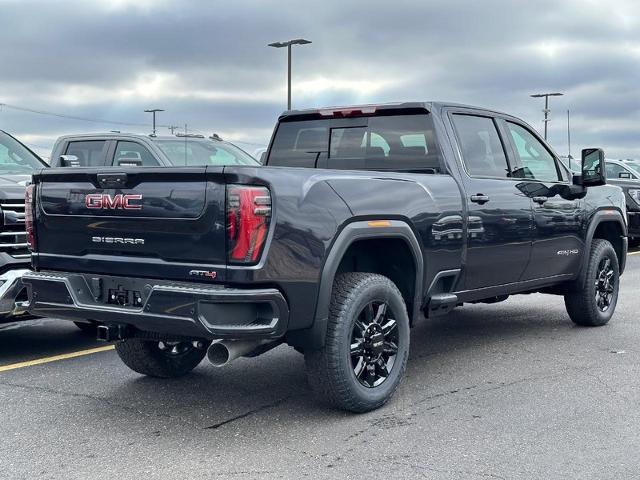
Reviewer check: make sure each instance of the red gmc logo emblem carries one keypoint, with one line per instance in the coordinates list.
(107, 202)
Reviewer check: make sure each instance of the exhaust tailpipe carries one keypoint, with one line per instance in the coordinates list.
(225, 351)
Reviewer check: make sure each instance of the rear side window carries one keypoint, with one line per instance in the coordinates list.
(385, 142)
(91, 153)
(133, 153)
(482, 150)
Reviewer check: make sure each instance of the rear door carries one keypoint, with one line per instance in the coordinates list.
(500, 218)
(143, 222)
(557, 242)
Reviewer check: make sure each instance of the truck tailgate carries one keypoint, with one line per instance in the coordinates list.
(144, 222)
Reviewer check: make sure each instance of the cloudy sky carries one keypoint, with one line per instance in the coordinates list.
(207, 64)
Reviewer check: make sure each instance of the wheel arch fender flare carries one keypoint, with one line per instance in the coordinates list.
(603, 216)
(352, 232)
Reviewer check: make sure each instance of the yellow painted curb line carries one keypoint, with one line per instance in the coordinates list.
(56, 358)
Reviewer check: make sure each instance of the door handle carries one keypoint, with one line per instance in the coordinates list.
(540, 199)
(480, 198)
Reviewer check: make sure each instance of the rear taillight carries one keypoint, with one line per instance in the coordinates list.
(28, 217)
(248, 216)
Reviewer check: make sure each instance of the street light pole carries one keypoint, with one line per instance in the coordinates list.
(289, 77)
(289, 44)
(546, 107)
(153, 112)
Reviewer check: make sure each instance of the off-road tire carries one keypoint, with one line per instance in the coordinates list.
(147, 358)
(581, 300)
(330, 371)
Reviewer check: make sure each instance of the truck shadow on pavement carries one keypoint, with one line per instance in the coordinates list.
(444, 353)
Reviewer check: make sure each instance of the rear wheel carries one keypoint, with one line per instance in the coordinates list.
(161, 359)
(367, 344)
(593, 303)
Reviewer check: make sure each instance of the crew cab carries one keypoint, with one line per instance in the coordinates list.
(17, 163)
(363, 221)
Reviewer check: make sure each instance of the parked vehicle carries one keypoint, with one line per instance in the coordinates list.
(128, 149)
(17, 163)
(626, 175)
(395, 212)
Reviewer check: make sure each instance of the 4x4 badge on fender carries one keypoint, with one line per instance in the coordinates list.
(566, 253)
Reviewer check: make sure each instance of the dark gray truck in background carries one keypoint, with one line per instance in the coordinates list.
(363, 221)
(130, 149)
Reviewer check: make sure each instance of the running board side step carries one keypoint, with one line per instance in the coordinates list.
(441, 304)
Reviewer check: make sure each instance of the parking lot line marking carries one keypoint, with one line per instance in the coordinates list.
(55, 358)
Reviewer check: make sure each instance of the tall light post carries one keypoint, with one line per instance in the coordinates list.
(546, 107)
(153, 112)
(288, 44)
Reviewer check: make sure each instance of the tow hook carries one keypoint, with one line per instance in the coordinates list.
(111, 333)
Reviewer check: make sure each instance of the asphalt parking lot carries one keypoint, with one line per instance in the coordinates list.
(510, 390)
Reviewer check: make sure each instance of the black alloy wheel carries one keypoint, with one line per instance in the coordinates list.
(605, 284)
(374, 344)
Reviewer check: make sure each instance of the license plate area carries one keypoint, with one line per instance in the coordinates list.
(124, 297)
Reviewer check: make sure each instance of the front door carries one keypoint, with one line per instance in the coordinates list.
(557, 243)
(500, 217)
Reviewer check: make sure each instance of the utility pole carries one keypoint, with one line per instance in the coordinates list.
(173, 128)
(288, 44)
(546, 110)
(153, 112)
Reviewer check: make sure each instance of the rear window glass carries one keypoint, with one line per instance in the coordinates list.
(390, 142)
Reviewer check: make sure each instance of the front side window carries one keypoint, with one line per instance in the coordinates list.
(614, 170)
(201, 152)
(482, 150)
(90, 153)
(535, 160)
(134, 152)
(15, 158)
(635, 166)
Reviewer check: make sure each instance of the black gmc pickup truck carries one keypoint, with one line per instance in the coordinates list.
(363, 221)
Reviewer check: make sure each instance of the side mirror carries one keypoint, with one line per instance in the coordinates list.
(626, 175)
(69, 161)
(593, 168)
